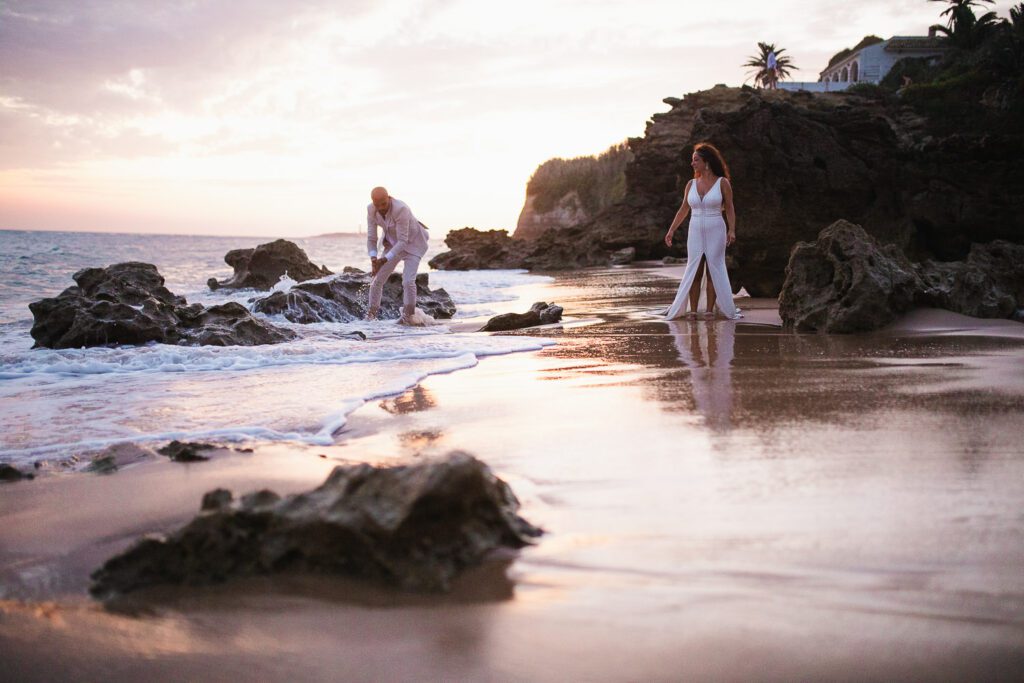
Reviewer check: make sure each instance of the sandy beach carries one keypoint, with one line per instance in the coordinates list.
(722, 502)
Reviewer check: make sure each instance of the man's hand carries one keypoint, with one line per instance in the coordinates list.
(377, 264)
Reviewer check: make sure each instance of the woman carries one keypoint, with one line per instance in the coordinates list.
(707, 195)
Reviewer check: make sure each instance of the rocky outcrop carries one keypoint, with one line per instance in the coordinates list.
(127, 303)
(415, 526)
(472, 249)
(800, 161)
(846, 281)
(541, 313)
(561, 249)
(262, 267)
(346, 297)
(988, 284)
(567, 212)
(563, 193)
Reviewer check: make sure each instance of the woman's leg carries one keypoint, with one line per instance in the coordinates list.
(712, 297)
(695, 287)
(717, 272)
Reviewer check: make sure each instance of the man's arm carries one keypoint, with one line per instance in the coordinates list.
(404, 225)
(371, 233)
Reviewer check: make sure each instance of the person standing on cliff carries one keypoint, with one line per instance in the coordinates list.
(773, 71)
(405, 239)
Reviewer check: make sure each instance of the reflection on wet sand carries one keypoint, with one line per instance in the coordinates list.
(414, 400)
(706, 347)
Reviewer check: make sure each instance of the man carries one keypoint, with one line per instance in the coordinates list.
(405, 239)
(773, 70)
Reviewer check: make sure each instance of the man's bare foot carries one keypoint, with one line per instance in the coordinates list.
(372, 314)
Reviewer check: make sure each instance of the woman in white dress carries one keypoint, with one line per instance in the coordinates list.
(707, 196)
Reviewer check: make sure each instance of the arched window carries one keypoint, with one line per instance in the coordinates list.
(854, 72)
(846, 75)
(835, 78)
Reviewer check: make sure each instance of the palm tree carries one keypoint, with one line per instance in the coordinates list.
(963, 28)
(764, 76)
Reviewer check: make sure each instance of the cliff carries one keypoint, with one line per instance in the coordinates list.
(563, 193)
(801, 161)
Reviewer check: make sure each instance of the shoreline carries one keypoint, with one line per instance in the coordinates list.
(732, 501)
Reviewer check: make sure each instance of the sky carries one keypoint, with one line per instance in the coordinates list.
(274, 118)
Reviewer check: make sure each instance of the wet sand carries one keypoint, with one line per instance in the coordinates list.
(723, 501)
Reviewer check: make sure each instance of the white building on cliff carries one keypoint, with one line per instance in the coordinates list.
(869, 62)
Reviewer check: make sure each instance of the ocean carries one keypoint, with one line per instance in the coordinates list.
(55, 404)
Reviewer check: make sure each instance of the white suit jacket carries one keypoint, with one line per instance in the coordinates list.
(401, 230)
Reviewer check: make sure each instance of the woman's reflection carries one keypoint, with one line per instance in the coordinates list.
(706, 348)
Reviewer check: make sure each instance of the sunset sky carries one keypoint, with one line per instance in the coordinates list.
(275, 118)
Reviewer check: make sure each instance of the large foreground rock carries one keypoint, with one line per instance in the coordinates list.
(127, 303)
(846, 282)
(346, 297)
(414, 526)
(262, 267)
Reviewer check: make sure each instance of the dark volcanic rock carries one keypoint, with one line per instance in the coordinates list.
(989, 284)
(540, 313)
(9, 473)
(845, 282)
(416, 527)
(262, 267)
(127, 303)
(346, 297)
(473, 249)
(186, 451)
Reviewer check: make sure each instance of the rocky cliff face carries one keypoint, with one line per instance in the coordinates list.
(567, 212)
(799, 162)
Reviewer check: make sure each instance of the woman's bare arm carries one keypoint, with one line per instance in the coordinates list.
(730, 212)
(681, 214)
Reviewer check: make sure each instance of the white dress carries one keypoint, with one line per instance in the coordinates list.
(706, 238)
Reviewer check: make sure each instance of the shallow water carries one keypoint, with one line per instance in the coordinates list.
(59, 403)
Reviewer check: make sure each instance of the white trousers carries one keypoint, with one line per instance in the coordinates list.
(412, 264)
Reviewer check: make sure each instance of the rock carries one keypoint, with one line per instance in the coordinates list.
(414, 526)
(673, 260)
(186, 451)
(540, 313)
(988, 284)
(9, 473)
(567, 212)
(116, 456)
(127, 303)
(262, 267)
(346, 297)
(481, 249)
(845, 282)
(623, 256)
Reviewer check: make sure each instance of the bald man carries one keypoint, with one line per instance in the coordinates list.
(405, 239)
